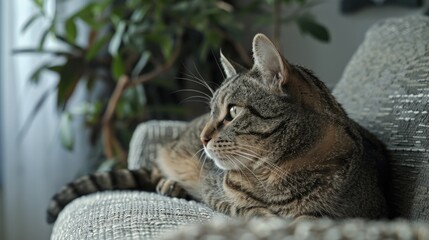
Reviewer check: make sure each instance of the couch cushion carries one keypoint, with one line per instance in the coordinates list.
(385, 88)
(127, 215)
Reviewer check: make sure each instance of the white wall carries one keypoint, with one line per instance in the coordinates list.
(347, 32)
(36, 166)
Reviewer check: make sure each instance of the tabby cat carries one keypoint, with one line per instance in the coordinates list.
(275, 143)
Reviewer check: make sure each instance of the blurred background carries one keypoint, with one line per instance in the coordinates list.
(77, 76)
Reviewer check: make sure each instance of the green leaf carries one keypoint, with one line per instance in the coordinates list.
(140, 13)
(91, 14)
(115, 43)
(71, 30)
(40, 51)
(118, 67)
(144, 58)
(94, 112)
(66, 131)
(35, 76)
(30, 21)
(166, 44)
(308, 25)
(39, 3)
(43, 39)
(96, 47)
(70, 74)
(56, 68)
(33, 113)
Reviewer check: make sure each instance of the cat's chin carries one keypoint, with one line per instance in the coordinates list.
(222, 164)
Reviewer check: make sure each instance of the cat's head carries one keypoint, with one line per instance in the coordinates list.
(265, 113)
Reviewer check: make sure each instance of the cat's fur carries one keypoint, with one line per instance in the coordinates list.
(276, 143)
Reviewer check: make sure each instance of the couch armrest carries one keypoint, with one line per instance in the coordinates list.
(127, 215)
(147, 137)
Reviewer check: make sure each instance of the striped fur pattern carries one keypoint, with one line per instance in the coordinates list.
(275, 143)
(122, 179)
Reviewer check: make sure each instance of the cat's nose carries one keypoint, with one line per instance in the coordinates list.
(205, 140)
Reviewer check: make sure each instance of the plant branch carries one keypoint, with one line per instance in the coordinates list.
(109, 140)
(160, 68)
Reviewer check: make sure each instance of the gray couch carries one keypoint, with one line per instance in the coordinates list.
(385, 88)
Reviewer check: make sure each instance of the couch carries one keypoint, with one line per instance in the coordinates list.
(385, 87)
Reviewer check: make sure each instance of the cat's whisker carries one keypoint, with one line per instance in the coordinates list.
(202, 167)
(288, 178)
(248, 169)
(255, 155)
(199, 74)
(199, 82)
(198, 152)
(279, 172)
(202, 80)
(256, 148)
(239, 169)
(193, 90)
(193, 99)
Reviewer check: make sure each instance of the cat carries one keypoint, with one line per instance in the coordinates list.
(275, 143)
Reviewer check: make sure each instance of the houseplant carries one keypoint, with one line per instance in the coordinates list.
(137, 50)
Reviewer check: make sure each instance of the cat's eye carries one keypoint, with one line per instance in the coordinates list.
(234, 111)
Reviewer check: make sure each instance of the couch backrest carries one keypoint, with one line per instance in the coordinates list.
(385, 88)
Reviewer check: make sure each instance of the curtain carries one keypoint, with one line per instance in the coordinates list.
(35, 165)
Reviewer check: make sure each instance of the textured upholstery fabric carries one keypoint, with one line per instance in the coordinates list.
(275, 228)
(385, 88)
(147, 137)
(127, 215)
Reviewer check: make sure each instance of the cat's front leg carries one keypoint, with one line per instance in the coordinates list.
(255, 211)
(165, 186)
(171, 188)
(245, 212)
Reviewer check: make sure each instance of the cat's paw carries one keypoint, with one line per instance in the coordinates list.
(168, 187)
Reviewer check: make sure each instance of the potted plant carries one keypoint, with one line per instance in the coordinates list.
(138, 50)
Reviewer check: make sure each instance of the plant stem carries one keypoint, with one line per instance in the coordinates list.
(160, 68)
(109, 138)
(110, 141)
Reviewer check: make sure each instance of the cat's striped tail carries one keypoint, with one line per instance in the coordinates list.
(122, 179)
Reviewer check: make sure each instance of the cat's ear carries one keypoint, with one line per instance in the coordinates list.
(268, 61)
(227, 66)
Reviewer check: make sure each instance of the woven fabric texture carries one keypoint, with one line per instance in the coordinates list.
(127, 215)
(385, 88)
(147, 138)
(275, 228)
